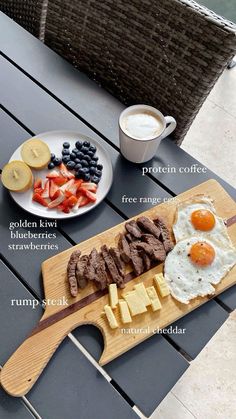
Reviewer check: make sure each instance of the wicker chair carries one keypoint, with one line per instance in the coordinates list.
(167, 53)
(27, 13)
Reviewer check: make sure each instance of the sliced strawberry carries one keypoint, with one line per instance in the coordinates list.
(38, 198)
(67, 185)
(38, 190)
(68, 194)
(56, 195)
(72, 201)
(90, 186)
(53, 189)
(82, 201)
(38, 183)
(65, 172)
(90, 195)
(78, 182)
(57, 201)
(53, 174)
(60, 180)
(45, 193)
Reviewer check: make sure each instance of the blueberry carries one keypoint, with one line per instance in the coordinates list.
(65, 159)
(75, 150)
(84, 149)
(66, 145)
(86, 169)
(95, 158)
(84, 163)
(93, 163)
(87, 158)
(98, 173)
(95, 179)
(78, 145)
(92, 170)
(53, 157)
(86, 177)
(78, 166)
(93, 148)
(99, 166)
(90, 153)
(70, 165)
(78, 175)
(81, 172)
(57, 161)
(86, 144)
(65, 152)
(80, 155)
(72, 156)
(51, 165)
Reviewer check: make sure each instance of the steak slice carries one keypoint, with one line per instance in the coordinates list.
(130, 238)
(144, 247)
(102, 279)
(136, 259)
(115, 254)
(71, 269)
(165, 234)
(89, 271)
(133, 228)
(148, 226)
(146, 260)
(81, 264)
(124, 248)
(159, 253)
(111, 267)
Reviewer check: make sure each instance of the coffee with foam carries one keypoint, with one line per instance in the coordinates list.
(142, 125)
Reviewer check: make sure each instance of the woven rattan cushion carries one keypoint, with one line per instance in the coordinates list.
(25, 12)
(167, 53)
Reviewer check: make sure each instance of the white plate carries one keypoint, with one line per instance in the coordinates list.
(55, 139)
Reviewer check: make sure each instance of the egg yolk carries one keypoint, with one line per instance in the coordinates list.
(203, 220)
(202, 254)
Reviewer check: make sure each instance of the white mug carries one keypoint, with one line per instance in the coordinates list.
(140, 150)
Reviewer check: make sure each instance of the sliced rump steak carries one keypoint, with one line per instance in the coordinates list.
(133, 228)
(148, 226)
(81, 264)
(111, 267)
(165, 235)
(137, 260)
(124, 248)
(159, 253)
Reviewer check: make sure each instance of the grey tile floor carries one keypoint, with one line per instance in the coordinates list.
(212, 136)
(207, 389)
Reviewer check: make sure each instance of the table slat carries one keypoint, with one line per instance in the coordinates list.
(86, 393)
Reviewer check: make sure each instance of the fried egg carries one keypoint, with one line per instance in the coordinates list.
(195, 265)
(197, 216)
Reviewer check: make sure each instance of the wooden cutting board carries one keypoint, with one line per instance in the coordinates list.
(26, 364)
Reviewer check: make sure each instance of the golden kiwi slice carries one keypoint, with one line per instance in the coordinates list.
(17, 176)
(36, 154)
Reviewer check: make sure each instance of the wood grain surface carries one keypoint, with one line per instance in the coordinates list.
(24, 367)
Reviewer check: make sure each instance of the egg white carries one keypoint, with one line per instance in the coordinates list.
(183, 227)
(186, 280)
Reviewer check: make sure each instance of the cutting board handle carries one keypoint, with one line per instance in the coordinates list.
(24, 367)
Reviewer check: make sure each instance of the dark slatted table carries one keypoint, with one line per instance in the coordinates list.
(39, 91)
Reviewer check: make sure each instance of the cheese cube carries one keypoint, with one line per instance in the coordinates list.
(141, 291)
(110, 317)
(113, 294)
(135, 303)
(124, 312)
(155, 302)
(161, 285)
